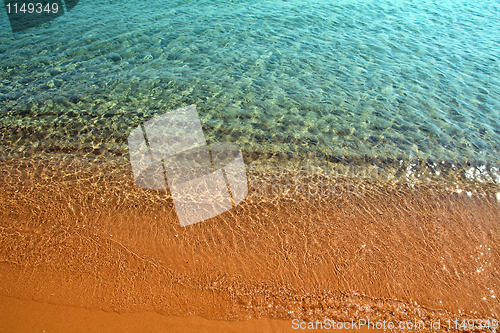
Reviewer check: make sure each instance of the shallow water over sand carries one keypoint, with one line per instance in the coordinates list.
(393, 80)
(375, 250)
(370, 135)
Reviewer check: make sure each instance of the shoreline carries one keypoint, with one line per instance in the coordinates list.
(27, 315)
(94, 240)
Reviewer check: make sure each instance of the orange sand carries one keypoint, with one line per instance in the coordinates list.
(25, 316)
(89, 238)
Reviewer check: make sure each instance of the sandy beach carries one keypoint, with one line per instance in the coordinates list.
(369, 135)
(91, 239)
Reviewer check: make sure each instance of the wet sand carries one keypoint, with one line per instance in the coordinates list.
(20, 316)
(87, 237)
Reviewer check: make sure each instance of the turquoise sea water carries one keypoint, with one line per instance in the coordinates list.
(344, 81)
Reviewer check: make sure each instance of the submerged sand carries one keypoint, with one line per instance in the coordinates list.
(84, 235)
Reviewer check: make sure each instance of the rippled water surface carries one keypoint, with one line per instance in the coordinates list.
(393, 79)
(355, 86)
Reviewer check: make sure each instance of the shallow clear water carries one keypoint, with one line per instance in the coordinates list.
(409, 83)
(391, 80)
